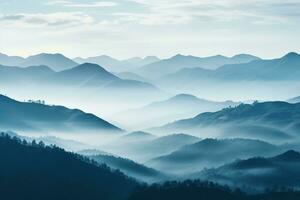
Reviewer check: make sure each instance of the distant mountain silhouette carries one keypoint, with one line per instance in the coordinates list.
(142, 148)
(294, 100)
(259, 172)
(285, 68)
(18, 75)
(279, 115)
(56, 62)
(23, 116)
(93, 75)
(174, 108)
(115, 65)
(177, 62)
(34, 171)
(132, 76)
(138, 135)
(10, 60)
(211, 153)
(130, 168)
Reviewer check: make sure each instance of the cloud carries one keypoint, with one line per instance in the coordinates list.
(202, 11)
(65, 19)
(84, 5)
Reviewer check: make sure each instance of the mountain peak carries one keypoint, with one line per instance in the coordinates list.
(184, 97)
(291, 55)
(290, 155)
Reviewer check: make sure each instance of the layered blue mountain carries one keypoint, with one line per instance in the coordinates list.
(93, 75)
(211, 153)
(270, 120)
(115, 65)
(258, 172)
(35, 171)
(18, 75)
(56, 61)
(178, 62)
(294, 100)
(10, 60)
(130, 168)
(28, 116)
(141, 146)
(177, 107)
(285, 68)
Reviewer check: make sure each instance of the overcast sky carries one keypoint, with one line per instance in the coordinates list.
(126, 28)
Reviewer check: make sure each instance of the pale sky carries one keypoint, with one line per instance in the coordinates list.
(127, 28)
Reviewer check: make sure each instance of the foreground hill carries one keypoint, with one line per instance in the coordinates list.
(25, 116)
(177, 62)
(259, 172)
(279, 120)
(195, 190)
(211, 153)
(175, 108)
(32, 171)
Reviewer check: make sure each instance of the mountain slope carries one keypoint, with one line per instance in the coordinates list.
(279, 115)
(259, 172)
(141, 147)
(10, 60)
(130, 168)
(211, 153)
(33, 171)
(284, 68)
(18, 75)
(177, 62)
(56, 62)
(94, 76)
(23, 116)
(115, 65)
(174, 108)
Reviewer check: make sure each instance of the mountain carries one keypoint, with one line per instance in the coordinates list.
(34, 171)
(190, 190)
(175, 108)
(294, 100)
(211, 153)
(130, 168)
(142, 148)
(139, 62)
(18, 75)
(178, 62)
(70, 145)
(280, 116)
(132, 76)
(258, 172)
(95, 76)
(56, 62)
(26, 116)
(115, 65)
(10, 60)
(284, 68)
